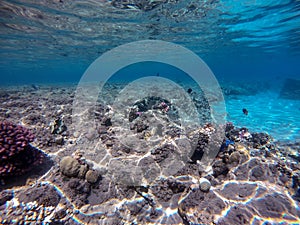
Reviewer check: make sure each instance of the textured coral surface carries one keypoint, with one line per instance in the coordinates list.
(254, 180)
(16, 155)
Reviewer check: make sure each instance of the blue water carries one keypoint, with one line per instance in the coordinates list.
(243, 42)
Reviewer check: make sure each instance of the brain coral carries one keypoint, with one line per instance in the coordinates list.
(16, 155)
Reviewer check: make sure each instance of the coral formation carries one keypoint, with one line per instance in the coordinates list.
(69, 166)
(82, 171)
(92, 176)
(252, 180)
(58, 126)
(14, 139)
(77, 167)
(16, 155)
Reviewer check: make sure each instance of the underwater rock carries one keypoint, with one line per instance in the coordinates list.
(203, 107)
(34, 118)
(249, 187)
(152, 103)
(79, 186)
(237, 215)
(164, 189)
(258, 173)
(161, 153)
(92, 176)
(201, 140)
(76, 189)
(104, 191)
(59, 214)
(234, 157)
(69, 166)
(204, 184)
(220, 168)
(296, 186)
(255, 140)
(106, 121)
(290, 89)
(5, 196)
(31, 204)
(229, 126)
(58, 126)
(59, 140)
(82, 171)
(44, 195)
(260, 139)
(200, 207)
(139, 126)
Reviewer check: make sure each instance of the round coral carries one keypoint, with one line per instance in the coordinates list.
(16, 155)
(13, 139)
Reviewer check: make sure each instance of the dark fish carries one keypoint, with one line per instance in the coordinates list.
(35, 87)
(189, 90)
(245, 111)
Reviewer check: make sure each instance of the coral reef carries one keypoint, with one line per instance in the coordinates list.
(14, 139)
(253, 180)
(78, 168)
(69, 166)
(92, 176)
(16, 155)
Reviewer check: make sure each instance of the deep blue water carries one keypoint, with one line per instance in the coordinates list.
(256, 66)
(227, 67)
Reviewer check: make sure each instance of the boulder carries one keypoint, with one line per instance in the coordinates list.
(69, 166)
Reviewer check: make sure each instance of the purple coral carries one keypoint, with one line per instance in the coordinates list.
(16, 155)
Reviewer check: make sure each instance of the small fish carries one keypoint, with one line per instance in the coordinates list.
(35, 87)
(229, 142)
(189, 90)
(225, 144)
(245, 111)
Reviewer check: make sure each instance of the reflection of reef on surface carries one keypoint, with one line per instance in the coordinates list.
(135, 4)
(253, 179)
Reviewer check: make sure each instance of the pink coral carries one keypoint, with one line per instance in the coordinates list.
(16, 155)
